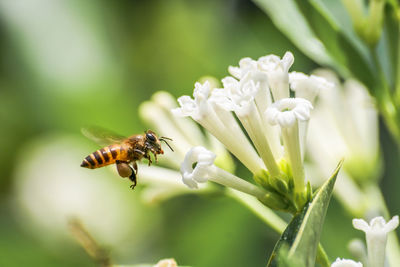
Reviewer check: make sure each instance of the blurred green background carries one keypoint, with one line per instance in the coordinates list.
(66, 64)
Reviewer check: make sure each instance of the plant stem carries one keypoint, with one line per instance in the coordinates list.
(229, 180)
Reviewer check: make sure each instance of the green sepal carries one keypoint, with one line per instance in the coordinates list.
(286, 171)
(280, 185)
(262, 179)
(277, 202)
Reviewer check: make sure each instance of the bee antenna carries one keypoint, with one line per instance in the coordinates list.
(166, 138)
(165, 141)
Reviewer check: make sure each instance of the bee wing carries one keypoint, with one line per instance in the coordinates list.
(102, 136)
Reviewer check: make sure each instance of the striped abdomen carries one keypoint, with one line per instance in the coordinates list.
(105, 156)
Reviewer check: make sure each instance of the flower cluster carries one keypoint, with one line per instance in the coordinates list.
(258, 96)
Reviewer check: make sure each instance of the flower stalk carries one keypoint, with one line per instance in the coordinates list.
(290, 136)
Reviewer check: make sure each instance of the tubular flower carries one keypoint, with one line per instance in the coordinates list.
(306, 86)
(287, 112)
(278, 73)
(203, 159)
(197, 107)
(376, 233)
(198, 167)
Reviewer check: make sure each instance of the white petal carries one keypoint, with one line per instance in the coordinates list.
(246, 65)
(187, 180)
(307, 86)
(287, 60)
(392, 224)
(235, 71)
(286, 119)
(360, 224)
(201, 91)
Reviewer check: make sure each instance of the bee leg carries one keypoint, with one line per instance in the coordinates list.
(155, 156)
(133, 179)
(148, 157)
(133, 175)
(139, 152)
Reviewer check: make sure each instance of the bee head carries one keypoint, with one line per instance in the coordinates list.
(154, 143)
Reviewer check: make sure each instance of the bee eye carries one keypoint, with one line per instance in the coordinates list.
(151, 137)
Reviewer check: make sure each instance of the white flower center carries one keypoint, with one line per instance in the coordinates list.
(287, 111)
(195, 166)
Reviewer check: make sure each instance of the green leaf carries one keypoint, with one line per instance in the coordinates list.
(288, 19)
(285, 261)
(319, 34)
(342, 46)
(303, 233)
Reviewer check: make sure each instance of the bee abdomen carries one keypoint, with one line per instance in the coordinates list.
(102, 157)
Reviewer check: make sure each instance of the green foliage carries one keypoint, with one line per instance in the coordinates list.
(284, 15)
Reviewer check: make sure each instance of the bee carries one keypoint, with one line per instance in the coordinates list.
(123, 151)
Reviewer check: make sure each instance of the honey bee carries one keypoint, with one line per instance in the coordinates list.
(123, 151)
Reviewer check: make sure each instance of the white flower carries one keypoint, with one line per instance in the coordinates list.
(346, 263)
(278, 73)
(306, 86)
(203, 159)
(196, 108)
(246, 65)
(198, 167)
(240, 93)
(287, 111)
(376, 234)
